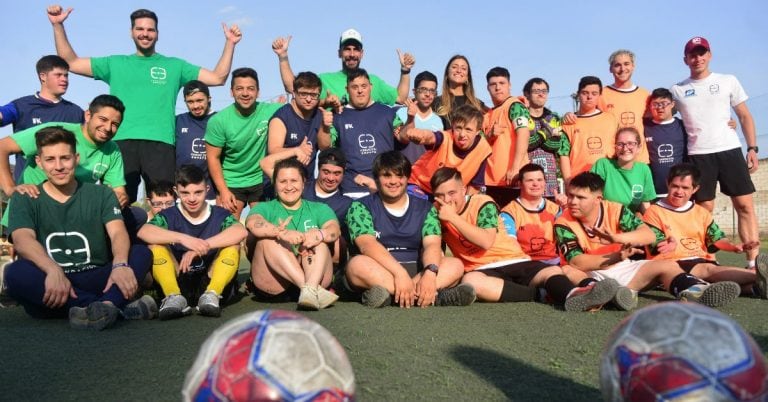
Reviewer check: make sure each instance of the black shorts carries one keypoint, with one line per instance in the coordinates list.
(521, 273)
(688, 265)
(729, 168)
(150, 160)
(248, 195)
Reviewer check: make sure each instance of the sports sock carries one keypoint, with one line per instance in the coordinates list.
(683, 281)
(224, 268)
(164, 270)
(514, 292)
(558, 287)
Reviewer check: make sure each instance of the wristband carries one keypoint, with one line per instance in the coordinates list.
(120, 265)
(405, 71)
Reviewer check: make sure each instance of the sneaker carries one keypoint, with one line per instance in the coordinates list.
(713, 294)
(174, 306)
(761, 270)
(97, 316)
(462, 294)
(208, 304)
(325, 297)
(376, 297)
(591, 297)
(625, 299)
(308, 299)
(5, 300)
(143, 308)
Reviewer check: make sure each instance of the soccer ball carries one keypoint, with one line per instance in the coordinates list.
(678, 351)
(270, 355)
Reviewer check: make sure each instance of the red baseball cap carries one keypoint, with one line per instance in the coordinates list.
(696, 41)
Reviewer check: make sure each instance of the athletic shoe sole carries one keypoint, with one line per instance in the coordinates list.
(761, 269)
(97, 316)
(376, 297)
(143, 308)
(719, 294)
(625, 299)
(460, 295)
(602, 292)
(209, 310)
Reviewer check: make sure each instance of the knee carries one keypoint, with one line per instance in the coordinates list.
(473, 278)
(229, 255)
(744, 206)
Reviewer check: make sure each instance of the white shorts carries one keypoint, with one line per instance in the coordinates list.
(622, 272)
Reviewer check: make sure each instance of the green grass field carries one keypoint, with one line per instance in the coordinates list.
(484, 352)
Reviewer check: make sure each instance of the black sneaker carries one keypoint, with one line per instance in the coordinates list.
(761, 270)
(376, 297)
(97, 316)
(143, 308)
(459, 295)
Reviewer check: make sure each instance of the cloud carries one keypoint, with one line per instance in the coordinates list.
(227, 10)
(242, 21)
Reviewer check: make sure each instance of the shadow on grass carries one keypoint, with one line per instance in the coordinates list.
(520, 381)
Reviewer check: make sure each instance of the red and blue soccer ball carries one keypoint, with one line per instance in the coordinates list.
(678, 351)
(270, 355)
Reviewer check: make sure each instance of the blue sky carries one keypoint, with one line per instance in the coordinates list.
(559, 41)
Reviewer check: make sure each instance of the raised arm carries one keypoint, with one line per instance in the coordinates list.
(407, 61)
(78, 65)
(280, 47)
(220, 73)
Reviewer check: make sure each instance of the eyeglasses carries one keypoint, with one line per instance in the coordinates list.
(629, 145)
(660, 105)
(539, 91)
(162, 204)
(308, 95)
(426, 91)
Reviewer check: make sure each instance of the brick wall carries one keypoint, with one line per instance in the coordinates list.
(725, 215)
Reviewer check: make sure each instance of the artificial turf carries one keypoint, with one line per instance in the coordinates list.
(484, 352)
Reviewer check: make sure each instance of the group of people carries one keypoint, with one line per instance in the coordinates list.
(356, 186)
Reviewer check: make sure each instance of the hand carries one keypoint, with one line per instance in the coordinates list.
(628, 251)
(411, 106)
(447, 210)
(327, 116)
(732, 124)
(332, 101)
(232, 33)
(406, 60)
(365, 181)
(752, 161)
(561, 199)
(227, 200)
(125, 280)
(27, 189)
(304, 152)
(667, 245)
(312, 238)
(186, 261)
(512, 176)
(426, 289)
(280, 46)
(57, 14)
(524, 101)
(605, 236)
(494, 132)
(58, 289)
(569, 118)
(291, 237)
(196, 245)
(405, 295)
(122, 198)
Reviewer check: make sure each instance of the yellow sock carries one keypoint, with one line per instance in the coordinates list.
(163, 270)
(224, 268)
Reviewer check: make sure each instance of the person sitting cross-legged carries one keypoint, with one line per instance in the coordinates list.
(196, 248)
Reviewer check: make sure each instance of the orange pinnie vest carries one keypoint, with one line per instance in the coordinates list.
(473, 256)
(688, 227)
(591, 137)
(535, 229)
(628, 107)
(608, 220)
(502, 145)
(443, 156)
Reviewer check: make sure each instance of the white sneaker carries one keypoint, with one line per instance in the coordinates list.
(208, 304)
(174, 306)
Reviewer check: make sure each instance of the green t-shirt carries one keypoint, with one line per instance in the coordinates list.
(148, 86)
(309, 215)
(72, 233)
(243, 142)
(337, 83)
(98, 163)
(629, 187)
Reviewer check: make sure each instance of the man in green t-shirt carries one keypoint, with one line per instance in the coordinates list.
(148, 83)
(99, 157)
(335, 83)
(75, 257)
(235, 142)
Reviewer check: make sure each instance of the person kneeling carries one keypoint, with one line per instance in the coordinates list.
(75, 257)
(292, 241)
(195, 246)
(396, 241)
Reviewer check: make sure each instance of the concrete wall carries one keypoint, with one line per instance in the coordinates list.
(725, 215)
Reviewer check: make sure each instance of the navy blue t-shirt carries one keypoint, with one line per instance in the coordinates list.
(297, 128)
(667, 146)
(338, 202)
(218, 220)
(190, 144)
(31, 110)
(401, 235)
(363, 134)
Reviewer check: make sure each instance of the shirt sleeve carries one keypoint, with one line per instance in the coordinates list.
(101, 69)
(115, 175)
(567, 242)
(228, 222)
(519, 116)
(629, 222)
(383, 92)
(25, 139)
(359, 221)
(431, 224)
(9, 113)
(738, 95)
(509, 223)
(23, 213)
(159, 221)
(110, 210)
(488, 216)
(214, 132)
(649, 189)
(565, 146)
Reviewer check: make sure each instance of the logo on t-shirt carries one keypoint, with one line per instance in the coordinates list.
(594, 143)
(37, 120)
(665, 150)
(627, 118)
(98, 170)
(68, 248)
(714, 89)
(198, 148)
(367, 144)
(690, 92)
(637, 191)
(690, 243)
(158, 75)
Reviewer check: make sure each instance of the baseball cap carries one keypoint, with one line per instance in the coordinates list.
(696, 41)
(350, 35)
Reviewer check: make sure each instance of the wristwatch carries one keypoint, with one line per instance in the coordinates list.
(757, 150)
(432, 267)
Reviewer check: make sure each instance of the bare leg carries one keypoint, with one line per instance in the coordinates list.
(715, 273)
(364, 272)
(274, 267)
(748, 226)
(487, 288)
